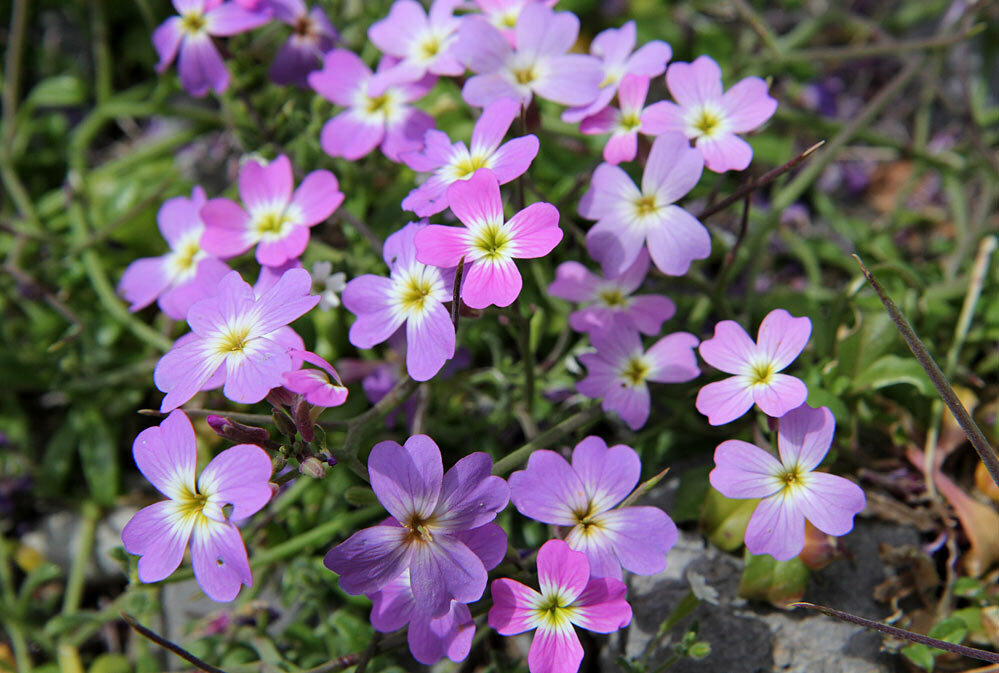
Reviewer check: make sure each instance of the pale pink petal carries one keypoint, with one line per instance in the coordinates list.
(632, 92)
(392, 35)
(743, 470)
(663, 117)
(225, 229)
(407, 135)
(581, 112)
(492, 125)
(555, 651)
(781, 395)
(250, 378)
(777, 527)
(167, 455)
(350, 136)
(514, 157)
(315, 387)
(201, 67)
(693, 83)
(726, 400)
(230, 19)
(219, 559)
(143, 281)
(726, 153)
(491, 283)
(266, 186)
(830, 502)
(317, 197)
(481, 90)
(632, 278)
(441, 246)
(287, 301)
(535, 231)
(177, 301)
(602, 121)
(370, 558)
(748, 105)
(614, 246)
(613, 45)
(239, 477)
(159, 534)
(512, 611)
(574, 282)
(631, 404)
(443, 569)
(480, 47)
(673, 168)
(549, 490)
(676, 240)
(562, 570)
(648, 312)
(609, 188)
(621, 147)
(180, 215)
(782, 337)
(804, 436)
(573, 79)
(641, 538)
(399, 250)
(182, 372)
(608, 474)
(649, 60)
(285, 249)
(730, 349)
(166, 40)
(407, 479)
(616, 345)
(342, 75)
(542, 32)
(601, 607)
(477, 200)
(469, 496)
(367, 297)
(429, 341)
(673, 358)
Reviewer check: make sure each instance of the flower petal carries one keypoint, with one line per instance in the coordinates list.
(607, 474)
(249, 378)
(166, 41)
(641, 537)
(407, 479)
(781, 395)
(549, 490)
(219, 559)
(342, 75)
(317, 197)
(514, 157)
(782, 337)
(167, 455)
(370, 558)
(730, 349)
(830, 502)
(648, 312)
(724, 401)
(430, 341)
(492, 125)
(239, 477)
(677, 240)
(470, 497)
(674, 358)
(443, 569)
(573, 79)
(673, 168)
(574, 282)
(159, 534)
(804, 436)
(392, 606)
(488, 283)
(748, 105)
(183, 371)
(616, 247)
(743, 470)
(562, 570)
(725, 153)
(663, 117)
(201, 67)
(287, 301)
(512, 611)
(143, 281)
(694, 83)
(441, 246)
(555, 651)
(477, 200)
(601, 607)
(777, 527)
(535, 230)
(487, 542)
(631, 403)
(350, 135)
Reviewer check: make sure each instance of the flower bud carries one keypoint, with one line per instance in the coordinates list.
(284, 424)
(312, 467)
(303, 420)
(237, 432)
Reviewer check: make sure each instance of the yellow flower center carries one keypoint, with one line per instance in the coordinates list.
(791, 477)
(192, 23)
(415, 293)
(184, 257)
(635, 371)
(492, 241)
(419, 529)
(707, 122)
(305, 27)
(234, 341)
(524, 75)
(508, 20)
(466, 166)
(192, 503)
(271, 223)
(762, 373)
(630, 121)
(378, 104)
(646, 205)
(612, 297)
(430, 47)
(554, 611)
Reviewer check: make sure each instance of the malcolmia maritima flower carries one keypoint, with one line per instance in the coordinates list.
(434, 515)
(414, 295)
(613, 47)
(195, 512)
(624, 123)
(237, 339)
(629, 218)
(609, 302)
(568, 596)
(420, 40)
(504, 13)
(371, 119)
(709, 117)
(315, 385)
(182, 276)
(190, 35)
(756, 367)
(620, 368)
(791, 491)
(275, 220)
(312, 36)
(488, 242)
(583, 496)
(450, 163)
(539, 64)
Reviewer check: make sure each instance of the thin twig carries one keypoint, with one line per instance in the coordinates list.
(891, 48)
(362, 665)
(362, 228)
(166, 644)
(456, 294)
(743, 227)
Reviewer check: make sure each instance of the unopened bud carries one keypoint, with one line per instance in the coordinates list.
(312, 467)
(281, 397)
(237, 432)
(283, 423)
(303, 420)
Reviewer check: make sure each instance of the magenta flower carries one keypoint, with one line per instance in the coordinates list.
(780, 340)
(314, 384)
(182, 276)
(790, 489)
(504, 13)
(487, 242)
(568, 596)
(433, 515)
(312, 36)
(200, 65)
(421, 42)
(608, 303)
(613, 47)
(371, 119)
(628, 218)
(709, 117)
(540, 64)
(238, 478)
(622, 124)
(583, 496)
(450, 163)
(619, 369)
(413, 294)
(237, 340)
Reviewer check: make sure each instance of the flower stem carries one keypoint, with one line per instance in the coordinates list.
(168, 645)
(84, 550)
(548, 438)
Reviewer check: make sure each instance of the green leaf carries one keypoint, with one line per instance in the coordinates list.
(725, 519)
(98, 454)
(58, 91)
(691, 494)
(779, 582)
(893, 369)
(950, 630)
(920, 655)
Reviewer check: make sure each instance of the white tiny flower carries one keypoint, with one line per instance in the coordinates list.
(328, 285)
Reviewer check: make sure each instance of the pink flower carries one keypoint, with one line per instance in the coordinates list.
(420, 42)
(538, 65)
(780, 340)
(185, 274)
(487, 242)
(313, 384)
(709, 117)
(190, 34)
(628, 218)
(608, 303)
(312, 36)
(237, 340)
(276, 220)
(583, 497)
(504, 14)
(790, 489)
(613, 47)
(371, 118)
(619, 369)
(238, 478)
(623, 124)
(568, 596)
(452, 162)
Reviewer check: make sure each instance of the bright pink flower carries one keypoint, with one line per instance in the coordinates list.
(622, 124)
(568, 596)
(620, 367)
(790, 489)
(384, 118)
(237, 340)
(709, 117)
(504, 14)
(780, 340)
(238, 478)
(540, 64)
(190, 34)
(276, 220)
(420, 41)
(452, 162)
(312, 36)
(583, 496)
(613, 47)
(488, 243)
(628, 218)
(185, 274)
(315, 385)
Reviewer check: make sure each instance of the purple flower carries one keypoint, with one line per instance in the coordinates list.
(433, 515)
(568, 596)
(276, 220)
(190, 34)
(504, 14)
(709, 117)
(613, 47)
(623, 124)
(384, 118)
(413, 294)
(312, 36)
(450, 163)
(313, 384)
(619, 369)
(538, 65)
(780, 340)
(583, 496)
(791, 491)
(420, 42)
(608, 303)
(182, 276)
(488, 243)
(628, 218)
(237, 340)
(238, 478)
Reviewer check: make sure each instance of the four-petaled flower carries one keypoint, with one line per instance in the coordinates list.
(421, 41)
(790, 489)
(196, 511)
(312, 36)
(756, 366)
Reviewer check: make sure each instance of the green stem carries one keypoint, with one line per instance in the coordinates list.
(84, 550)
(524, 342)
(548, 438)
(18, 641)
